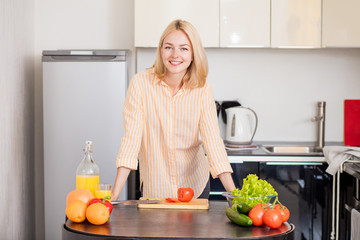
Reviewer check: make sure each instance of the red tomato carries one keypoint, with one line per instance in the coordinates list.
(264, 206)
(185, 194)
(272, 218)
(285, 213)
(256, 214)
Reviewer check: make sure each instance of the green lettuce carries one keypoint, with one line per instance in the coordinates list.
(253, 191)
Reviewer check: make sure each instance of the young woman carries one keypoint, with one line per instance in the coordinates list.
(170, 119)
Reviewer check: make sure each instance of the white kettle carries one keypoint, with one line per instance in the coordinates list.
(241, 125)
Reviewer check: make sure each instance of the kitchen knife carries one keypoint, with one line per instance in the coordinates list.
(135, 202)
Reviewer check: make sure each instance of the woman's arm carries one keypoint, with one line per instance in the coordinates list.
(227, 181)
(121, 177)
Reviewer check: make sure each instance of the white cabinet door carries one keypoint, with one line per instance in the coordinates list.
(296, 23)
(244, 23)
(341, 21)
(152, 17)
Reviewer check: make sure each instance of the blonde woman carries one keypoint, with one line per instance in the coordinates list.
(170, 118)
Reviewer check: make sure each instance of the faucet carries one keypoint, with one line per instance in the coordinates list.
(320, 119)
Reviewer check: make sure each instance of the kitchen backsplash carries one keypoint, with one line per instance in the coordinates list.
(283, 86)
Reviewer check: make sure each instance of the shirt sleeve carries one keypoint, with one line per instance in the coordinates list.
(210, 134)
(133, 124)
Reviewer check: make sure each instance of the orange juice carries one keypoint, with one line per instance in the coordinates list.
(87, 182)
(102, 193)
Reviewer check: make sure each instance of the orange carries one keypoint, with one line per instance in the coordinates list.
(76, 211)
(79, 194)
(97, 214)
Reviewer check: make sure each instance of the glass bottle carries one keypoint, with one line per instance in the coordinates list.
(87, 173)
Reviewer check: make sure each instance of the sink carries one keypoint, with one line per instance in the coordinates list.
(293, 150)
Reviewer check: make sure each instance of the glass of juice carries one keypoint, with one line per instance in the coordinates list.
(103, 190)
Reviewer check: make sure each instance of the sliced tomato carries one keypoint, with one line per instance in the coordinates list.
(172, 200)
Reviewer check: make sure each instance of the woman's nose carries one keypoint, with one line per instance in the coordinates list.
(175, 52)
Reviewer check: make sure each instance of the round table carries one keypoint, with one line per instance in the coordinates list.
(129, 222)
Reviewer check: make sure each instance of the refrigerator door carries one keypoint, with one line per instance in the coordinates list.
(83, 97)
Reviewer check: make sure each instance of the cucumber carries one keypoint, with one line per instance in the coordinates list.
(243, 208)
(238, 218)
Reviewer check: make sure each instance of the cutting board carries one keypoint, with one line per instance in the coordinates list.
(352, 122)
(199, 203)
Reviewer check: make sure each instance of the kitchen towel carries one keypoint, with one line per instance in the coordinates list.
(355, 223)
(337, 155)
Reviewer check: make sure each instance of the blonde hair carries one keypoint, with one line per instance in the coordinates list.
(196, 74)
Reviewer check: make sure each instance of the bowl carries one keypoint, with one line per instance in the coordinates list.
(255, 200)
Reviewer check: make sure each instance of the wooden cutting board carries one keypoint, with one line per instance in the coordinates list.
(199, 203)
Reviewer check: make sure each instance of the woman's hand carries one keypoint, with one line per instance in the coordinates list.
(121, 177)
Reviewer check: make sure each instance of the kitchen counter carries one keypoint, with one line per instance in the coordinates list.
(129, 222)
(259, 154)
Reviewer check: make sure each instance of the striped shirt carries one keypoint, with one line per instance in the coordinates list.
(167, 136)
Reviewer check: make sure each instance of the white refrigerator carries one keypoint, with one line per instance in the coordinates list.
(83, 97)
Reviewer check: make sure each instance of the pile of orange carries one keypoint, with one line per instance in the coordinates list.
(77, 209)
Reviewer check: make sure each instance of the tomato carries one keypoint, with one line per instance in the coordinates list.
(256, 214)
(272, 218)
(285, 213)
(185, 194)
(171, 200)
(261, 205)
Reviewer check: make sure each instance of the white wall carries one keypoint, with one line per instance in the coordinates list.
(17, 212)
(81, 24)
(283, 87)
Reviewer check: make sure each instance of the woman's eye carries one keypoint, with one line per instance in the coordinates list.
(184, 49)
(167, 47)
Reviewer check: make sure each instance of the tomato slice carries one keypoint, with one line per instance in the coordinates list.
(172, 200)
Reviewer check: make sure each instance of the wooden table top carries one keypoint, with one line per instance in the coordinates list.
(129, 222)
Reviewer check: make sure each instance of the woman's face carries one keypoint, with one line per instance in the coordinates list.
(176, 53)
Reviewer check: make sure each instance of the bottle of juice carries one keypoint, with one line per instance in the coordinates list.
(87, 173)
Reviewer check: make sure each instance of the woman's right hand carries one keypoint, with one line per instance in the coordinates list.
(121, 177)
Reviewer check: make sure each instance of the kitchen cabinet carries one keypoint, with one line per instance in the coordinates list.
(244, 23)
(152, 17)
(296, 24)
(341, 23)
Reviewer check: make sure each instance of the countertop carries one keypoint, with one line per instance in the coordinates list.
(258, 154)
(129, 222)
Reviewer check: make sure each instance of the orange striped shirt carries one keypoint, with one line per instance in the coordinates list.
(165, 135)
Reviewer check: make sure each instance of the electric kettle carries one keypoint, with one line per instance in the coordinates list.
(241, 125)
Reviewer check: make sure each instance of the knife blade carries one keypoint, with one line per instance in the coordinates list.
(135, 202)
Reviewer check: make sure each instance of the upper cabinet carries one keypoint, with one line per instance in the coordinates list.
(296, 23)
(152, 17)
(341, 23)
(244, 23)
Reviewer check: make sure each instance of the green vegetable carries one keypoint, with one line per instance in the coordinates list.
(238, 218)
(253, 191)
(243, 208)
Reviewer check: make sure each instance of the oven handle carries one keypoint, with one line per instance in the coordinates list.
(294, 163)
